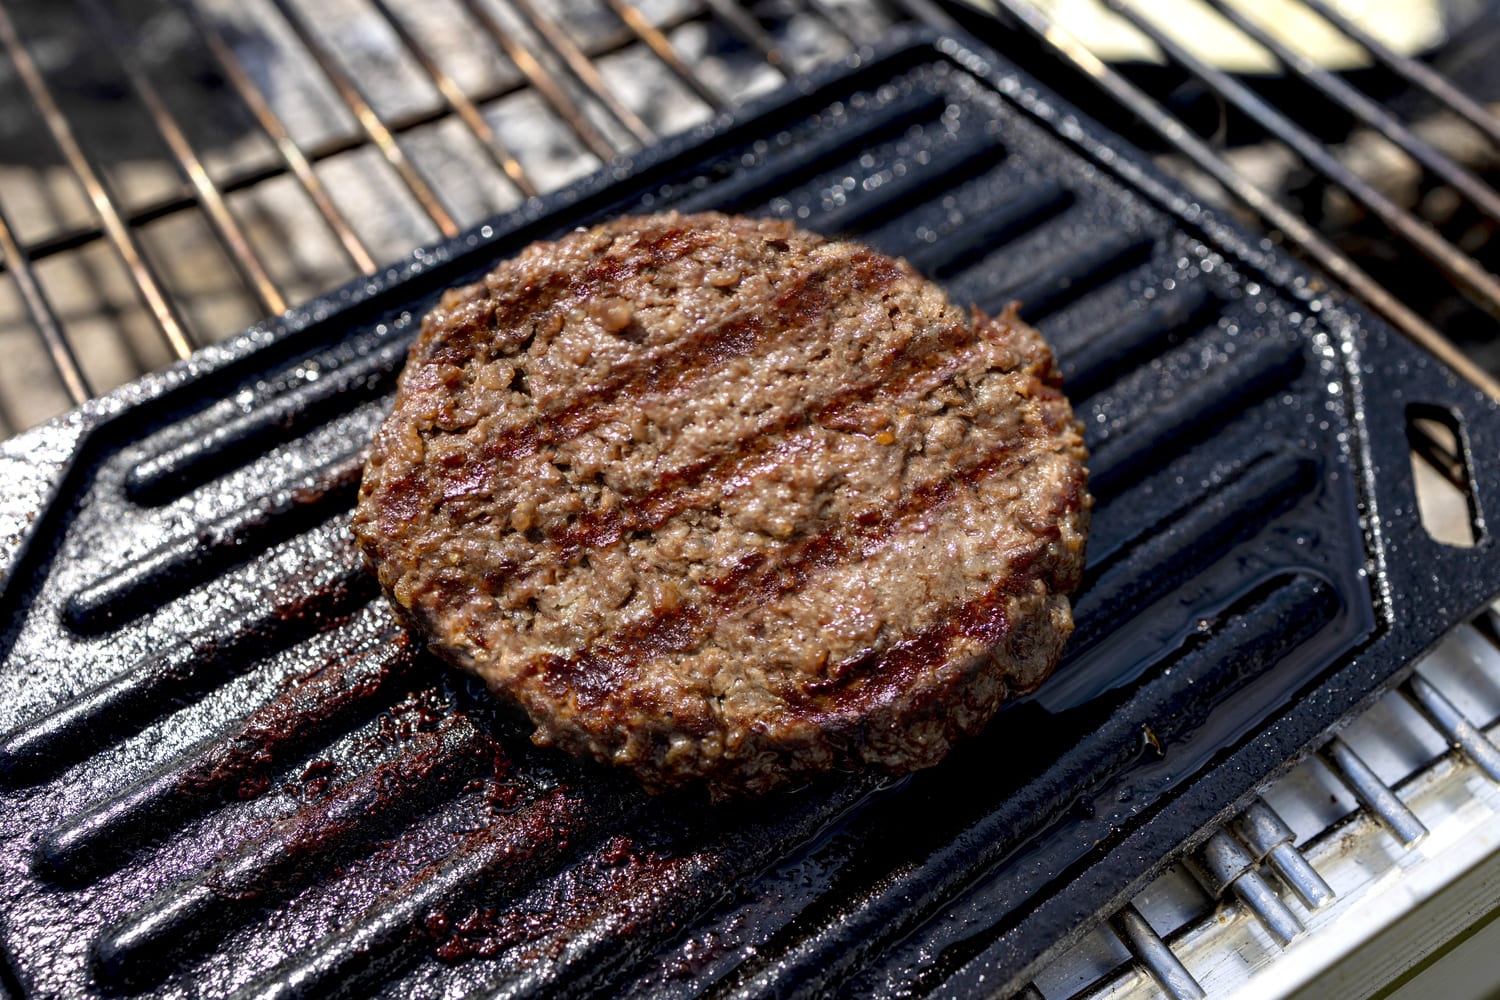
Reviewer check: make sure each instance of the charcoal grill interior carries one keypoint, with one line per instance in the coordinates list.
(225, 771)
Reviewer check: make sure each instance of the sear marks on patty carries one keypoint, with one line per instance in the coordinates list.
(715, 499)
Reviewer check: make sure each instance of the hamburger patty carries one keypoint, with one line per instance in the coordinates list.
(715, 498)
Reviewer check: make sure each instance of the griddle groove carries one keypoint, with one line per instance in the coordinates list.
(189, 561)
(980, 236)
(878, 198)
(161, 681)
(1184, 544)
(237, 764)
(869, 127)
(1114, 549)
(1056, 283)
(1090, 363)
(496, 864)
(193, 915)
(277, 417)
(1197, 410)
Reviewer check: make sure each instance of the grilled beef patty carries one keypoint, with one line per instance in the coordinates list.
(715, 498)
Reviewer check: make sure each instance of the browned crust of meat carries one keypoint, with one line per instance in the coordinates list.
(716, 499)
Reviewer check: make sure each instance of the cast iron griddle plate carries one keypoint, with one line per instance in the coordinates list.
(227, 772)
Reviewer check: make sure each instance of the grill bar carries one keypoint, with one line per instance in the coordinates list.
(546, 85)
(374, 126)
(466, 109)
(147, 283)
(1334, 261)
(748, 30)
(1373, 793)
(1447, 462)
(659, 43)
(1453, 724)
(1482, 287)
(1224, 866)
(582, 69)
(653, 918)
(1257, 895)
(928, 12)
(953, 167)
(59, 351)
(1271, 839)
(1055, 283)
(852, 30)
(1170, 974)
(1416, 72)
(1368, 111)
(115, 36)
(969, 243)
(1184, 311)
(291, 154)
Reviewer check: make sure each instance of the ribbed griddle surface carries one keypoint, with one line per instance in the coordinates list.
(227, 771)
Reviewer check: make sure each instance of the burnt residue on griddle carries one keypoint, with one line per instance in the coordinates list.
(428, 768)
(305, 712)
(314, 781)
(309, 710)
(542, 924)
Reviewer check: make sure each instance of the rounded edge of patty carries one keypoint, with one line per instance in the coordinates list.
(717, 499)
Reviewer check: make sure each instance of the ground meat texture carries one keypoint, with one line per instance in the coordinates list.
(715, 499)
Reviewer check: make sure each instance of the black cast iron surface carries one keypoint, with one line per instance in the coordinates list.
(225, 771)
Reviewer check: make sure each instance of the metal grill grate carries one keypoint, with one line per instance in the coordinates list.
(1289, 124)
(225, 160)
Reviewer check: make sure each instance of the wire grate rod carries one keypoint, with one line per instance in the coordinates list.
(460, 102)
(148, 284)
(117, 37)
(374, 126)
(1298, 230)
